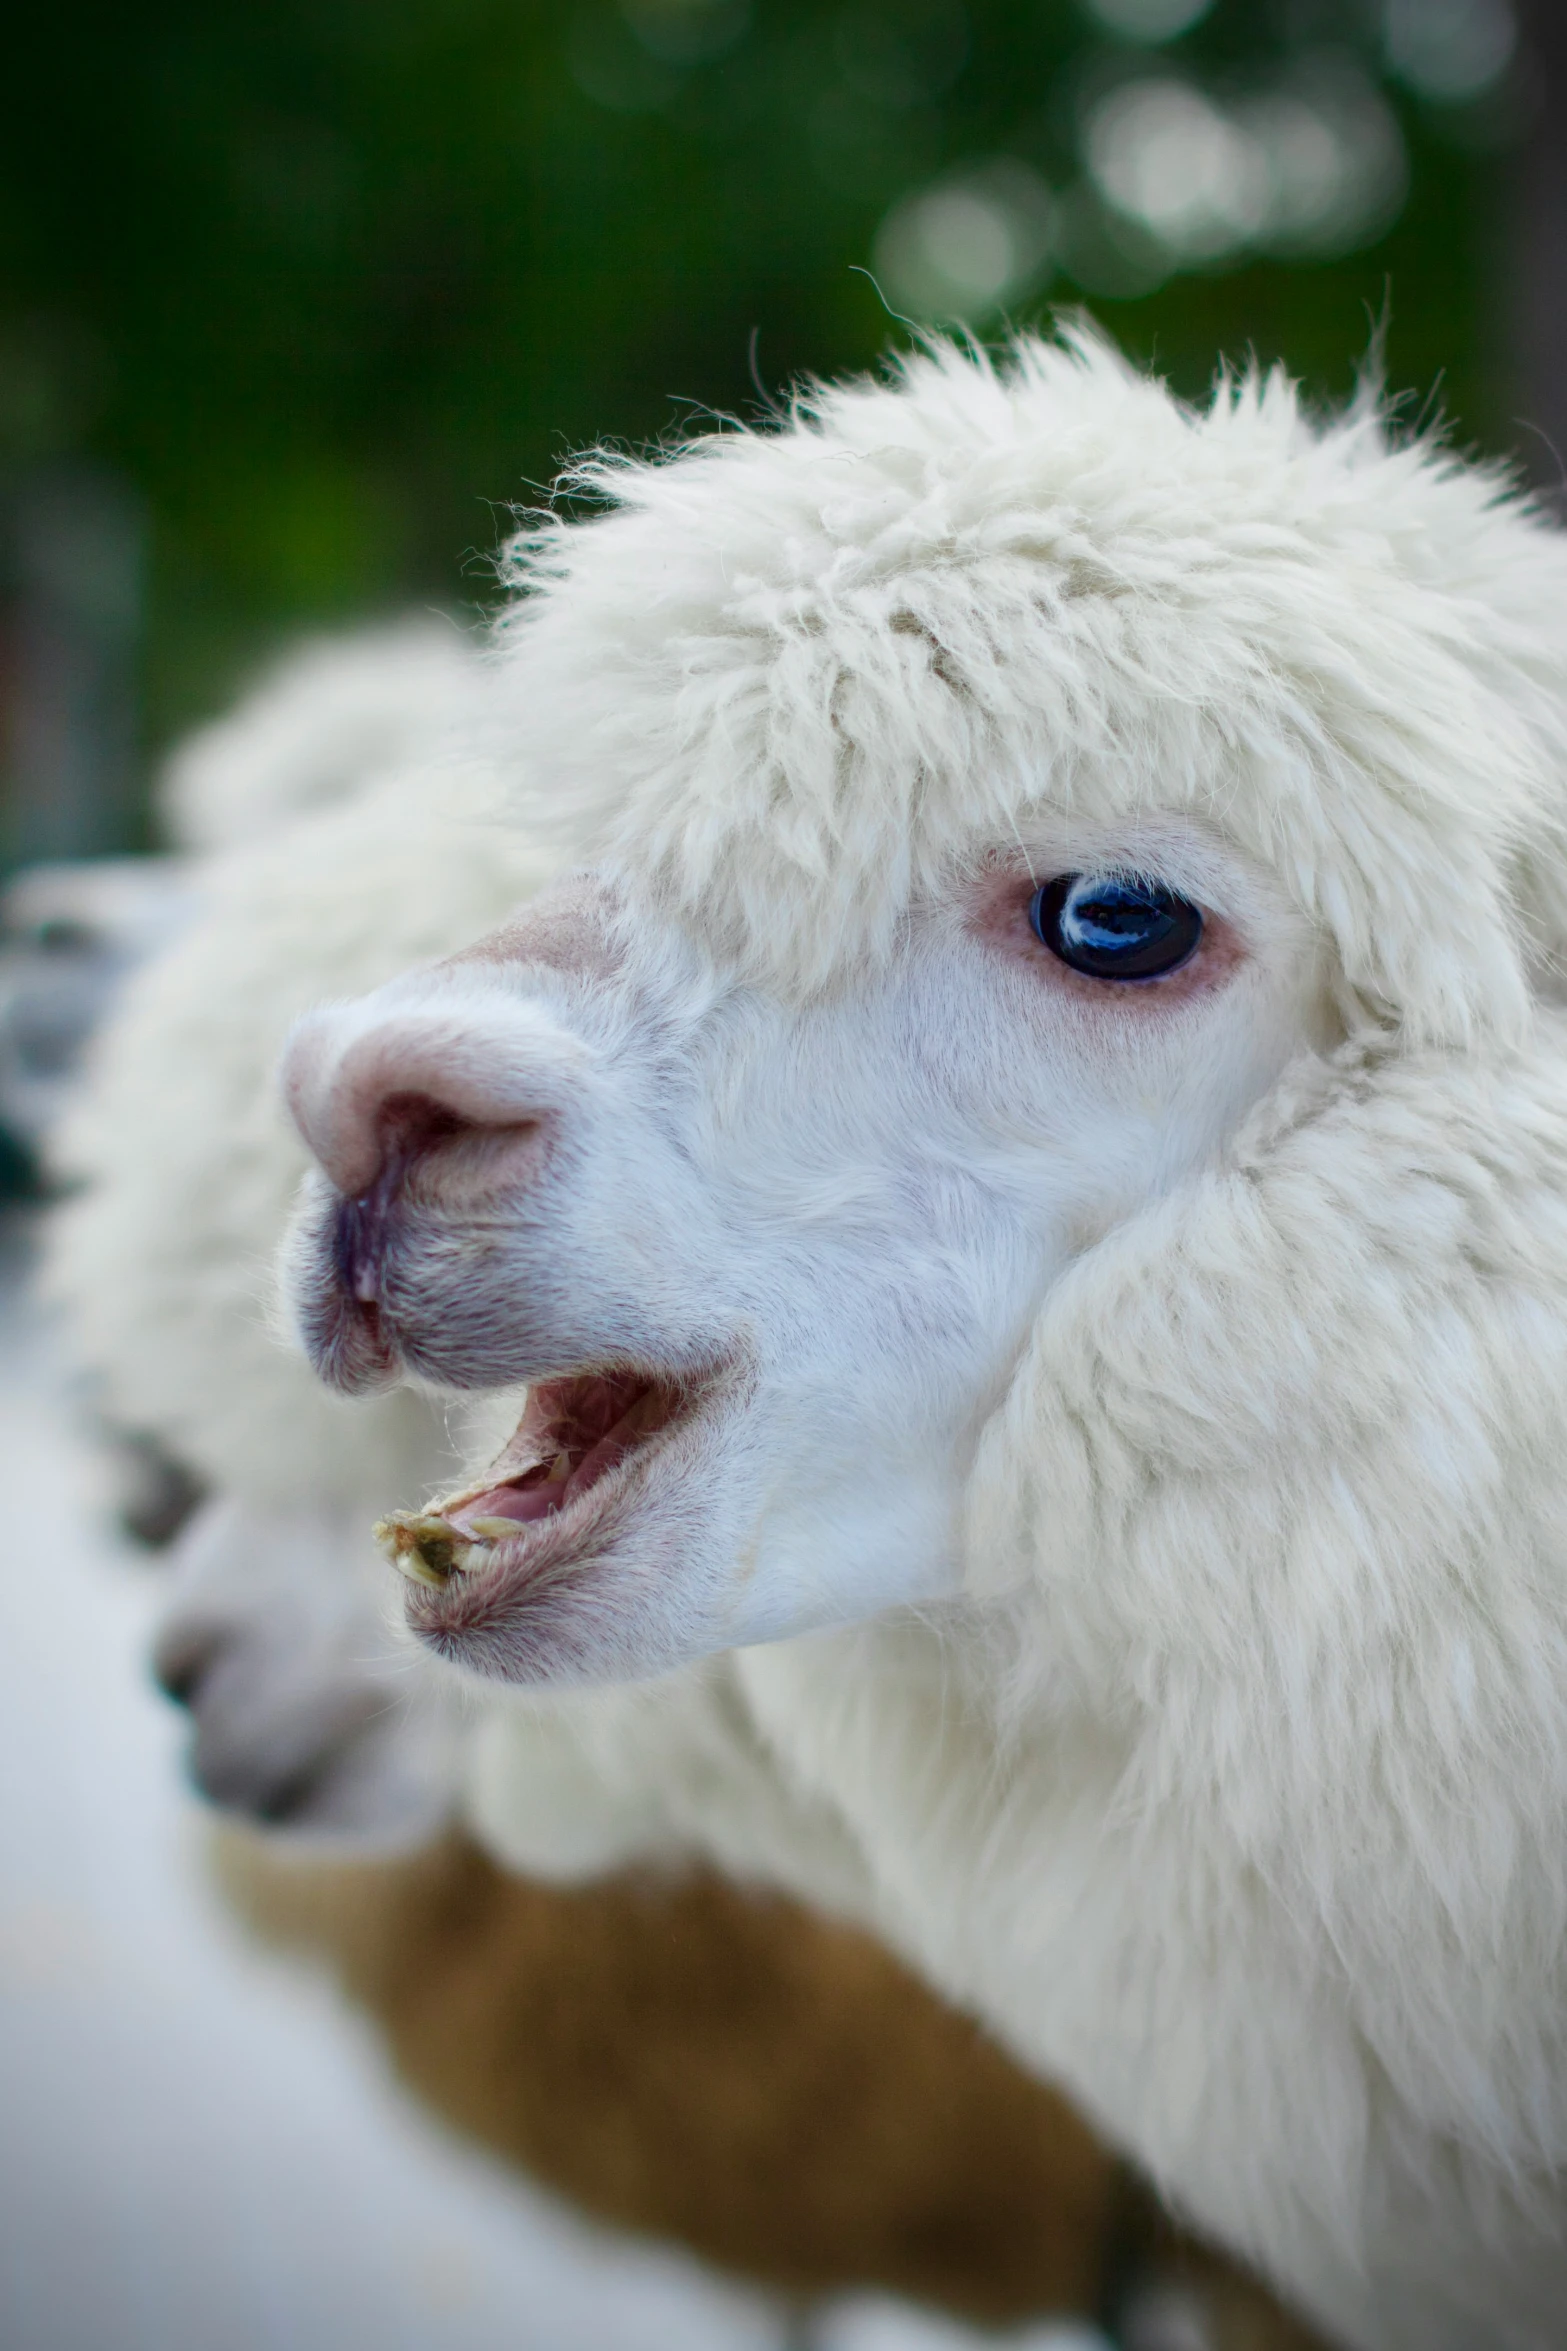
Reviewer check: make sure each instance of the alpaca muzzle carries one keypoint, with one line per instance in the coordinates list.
(432, 1122)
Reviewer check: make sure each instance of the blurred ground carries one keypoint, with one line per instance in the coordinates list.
(199, 2151)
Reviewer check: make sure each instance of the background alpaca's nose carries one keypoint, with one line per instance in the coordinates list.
(372, 1083)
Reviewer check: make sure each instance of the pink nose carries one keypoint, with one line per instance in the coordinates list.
(365, 1080)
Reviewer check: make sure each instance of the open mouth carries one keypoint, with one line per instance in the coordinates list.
(580, 1440)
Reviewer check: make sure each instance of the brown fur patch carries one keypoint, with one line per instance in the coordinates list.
(767, 2087)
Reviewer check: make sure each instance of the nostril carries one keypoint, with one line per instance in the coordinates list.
(179, 1682)
(411, 1123)
(368, 1093)
(358, 1238)
(182, 1660)
(408, 1127)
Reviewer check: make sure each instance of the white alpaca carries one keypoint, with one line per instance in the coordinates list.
(330, 720)
(337, 834)
(1045, 1395)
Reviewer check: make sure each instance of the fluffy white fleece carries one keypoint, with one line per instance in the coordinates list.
(1235, 1796)
(795, 673)
(330, 718)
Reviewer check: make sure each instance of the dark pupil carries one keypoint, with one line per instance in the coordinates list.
(1116, 926)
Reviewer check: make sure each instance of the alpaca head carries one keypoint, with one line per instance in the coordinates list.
(977, 795)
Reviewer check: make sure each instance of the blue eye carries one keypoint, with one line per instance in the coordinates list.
(1115, 926)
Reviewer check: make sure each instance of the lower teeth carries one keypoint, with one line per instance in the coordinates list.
(429, 1550)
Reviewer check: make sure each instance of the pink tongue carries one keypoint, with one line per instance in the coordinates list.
(538, 1497)
(519, 1502)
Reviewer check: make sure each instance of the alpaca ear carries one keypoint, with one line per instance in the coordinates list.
(1286, 1407)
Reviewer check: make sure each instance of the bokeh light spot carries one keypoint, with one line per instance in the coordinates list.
(1149, 21)
(903, 56)
(967, 246)
(1163, 153)
(1449, 50)
(687, 32)
(1311, 164)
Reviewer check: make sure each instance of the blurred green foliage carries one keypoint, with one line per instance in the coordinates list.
(331, 282)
